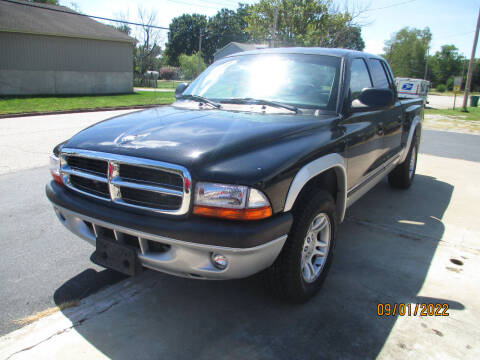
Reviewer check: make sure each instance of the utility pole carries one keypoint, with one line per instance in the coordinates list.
(470, 65)
(275, 17)
(426, 66)
(199, 51)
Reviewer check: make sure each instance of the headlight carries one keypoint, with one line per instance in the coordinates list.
(55, 168)
(235, 202)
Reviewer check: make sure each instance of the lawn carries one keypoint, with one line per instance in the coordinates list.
(32, 104)
(472, 114)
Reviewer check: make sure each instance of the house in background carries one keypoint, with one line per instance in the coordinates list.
(235, 47)
(47, 50)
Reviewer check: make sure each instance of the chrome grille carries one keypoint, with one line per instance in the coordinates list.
(129, 181)
(150, 198)
(150, 176)
(93, 166)
(95, 187)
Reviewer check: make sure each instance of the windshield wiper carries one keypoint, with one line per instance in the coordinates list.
(248, 100)
(201, 99)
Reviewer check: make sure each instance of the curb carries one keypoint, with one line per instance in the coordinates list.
(43, 330)
(74, 111)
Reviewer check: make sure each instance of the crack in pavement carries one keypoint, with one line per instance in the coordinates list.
(81, 321)
(41, 342)
(410, 235)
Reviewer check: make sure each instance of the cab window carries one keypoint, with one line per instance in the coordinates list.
(380, 80)
(359, 78)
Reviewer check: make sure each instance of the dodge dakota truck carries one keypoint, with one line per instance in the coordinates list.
(251, 169)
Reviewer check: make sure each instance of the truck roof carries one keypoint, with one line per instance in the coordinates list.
(309, 51)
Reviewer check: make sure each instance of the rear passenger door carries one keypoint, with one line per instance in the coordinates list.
(389, 120)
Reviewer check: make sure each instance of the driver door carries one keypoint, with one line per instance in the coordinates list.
(364, 129)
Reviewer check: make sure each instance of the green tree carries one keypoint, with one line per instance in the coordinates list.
(124, 28)
(188, 66)
(226, 26)
(51, 2)
(406, 52)
(304, 23)
(183, 36)
(475, 75)
(446, 64)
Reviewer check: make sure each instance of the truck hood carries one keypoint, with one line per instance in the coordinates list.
(191, 137)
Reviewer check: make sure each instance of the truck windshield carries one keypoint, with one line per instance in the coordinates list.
(303, 81)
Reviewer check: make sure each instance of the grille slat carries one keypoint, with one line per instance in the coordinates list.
(139, 174)
(93, 166)
(141, 183)
(90, 186)
(150, 199)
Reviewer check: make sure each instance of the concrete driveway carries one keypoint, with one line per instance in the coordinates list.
(415, 246)
(26, 142)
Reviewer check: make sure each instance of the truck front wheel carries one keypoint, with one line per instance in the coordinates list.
(300, 269)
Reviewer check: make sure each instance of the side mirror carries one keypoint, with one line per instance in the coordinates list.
(180, 89)
(370, 99)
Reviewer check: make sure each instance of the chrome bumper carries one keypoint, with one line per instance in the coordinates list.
(180, 258)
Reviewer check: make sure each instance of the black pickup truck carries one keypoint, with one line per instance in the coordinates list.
(250, 170)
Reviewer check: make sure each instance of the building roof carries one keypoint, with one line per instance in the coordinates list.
(240, 47)
(21, 17)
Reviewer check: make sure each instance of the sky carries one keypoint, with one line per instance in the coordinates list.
(450, 21)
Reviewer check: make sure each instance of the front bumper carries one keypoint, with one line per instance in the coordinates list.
(249, 247)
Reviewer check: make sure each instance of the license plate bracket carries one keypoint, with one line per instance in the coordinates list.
(117, 256)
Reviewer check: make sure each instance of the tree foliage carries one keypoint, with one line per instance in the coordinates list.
(183, 37)
(446, 64)
(226, 26)
(304, 23)
(51, 2)
(299, 23)
(406, 51)
(188, 66)
(475, 75)
(123, 28)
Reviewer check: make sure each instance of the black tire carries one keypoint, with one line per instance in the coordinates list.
(285, 277)
(401, 177)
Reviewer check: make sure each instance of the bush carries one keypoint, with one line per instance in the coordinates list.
(441, 88)
(168, 73)
(188, 66)
(449, 84)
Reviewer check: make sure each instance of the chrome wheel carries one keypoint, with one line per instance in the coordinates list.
(413, 161)
(315, 248)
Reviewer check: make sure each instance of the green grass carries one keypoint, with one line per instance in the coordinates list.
(32, 104)
(472, 114)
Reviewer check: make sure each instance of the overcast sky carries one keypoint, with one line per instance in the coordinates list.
(451, 21)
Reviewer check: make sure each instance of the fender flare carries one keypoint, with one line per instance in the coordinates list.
(309, 171)
(413, 126)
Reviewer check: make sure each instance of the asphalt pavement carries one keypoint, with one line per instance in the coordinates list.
(39, 256)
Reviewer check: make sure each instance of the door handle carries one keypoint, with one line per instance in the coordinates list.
(380, 129)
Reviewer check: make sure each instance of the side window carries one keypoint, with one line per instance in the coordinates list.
(359, 77)
(380, 80)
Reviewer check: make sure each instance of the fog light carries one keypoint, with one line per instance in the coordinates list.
(219, 261)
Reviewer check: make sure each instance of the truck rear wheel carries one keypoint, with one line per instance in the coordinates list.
(300, 269)
(402, 175)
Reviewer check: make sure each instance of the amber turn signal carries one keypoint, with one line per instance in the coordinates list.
(234, 214)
